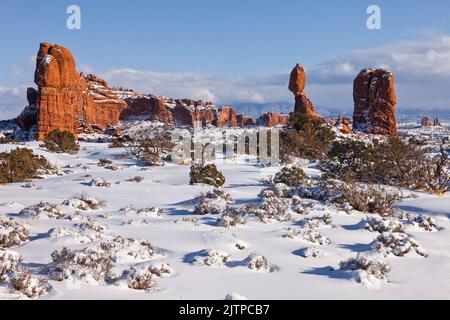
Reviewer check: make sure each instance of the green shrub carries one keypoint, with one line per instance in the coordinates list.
(292, 176)
(61, 142)
(208, 174)
(21, 165)
(305, 138)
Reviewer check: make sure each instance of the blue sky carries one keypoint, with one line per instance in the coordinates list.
(232, 51)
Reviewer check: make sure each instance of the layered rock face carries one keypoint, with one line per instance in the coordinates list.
(244, 121)
(425, 122)
(375, 101)
(297, 85)
(227, 117)
(272, 119)
(65, 101)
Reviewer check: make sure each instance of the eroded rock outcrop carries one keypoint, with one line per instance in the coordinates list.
(297, 85)
(65, 101)
(272, 119)
(425, 122)
(375, 101)
(28, 118)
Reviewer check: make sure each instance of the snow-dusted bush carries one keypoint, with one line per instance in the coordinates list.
(320, 190)
(84, 202)
(12, 233)
(93, 229)
(213, 202)
(398, 244)
(73, 235)
(137, 179)
(291, 175)
(104, 162)
(141, 279)
(370, 198)
(208, 174)
(161, 270)
(99, 182)
(151, 212)
(365, 270)
(234, 296)
(274, 209)
(232, 217)
(425, 223)
(298, 205)
(213, 258)
(42, 210)
(136, 222)
(10, 261)
(23, 282)
(384, 225)
(279, 190)
(257, 262)
(91, 264)
(308, 235)
(123, 250)
(311, 252)
(324, 221)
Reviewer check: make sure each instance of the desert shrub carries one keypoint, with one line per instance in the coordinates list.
(384, 225)
(279, 190)
(395, 162)
(212, 258)
(61, 142)
(12, 233)
(398, 244)
(366, 270)
(232, 217)
(150, 145)
(116, 143)
(208, 174)
(137, 179)
(308, 235)
(141, 279)
(425, 223)
(21, 165)
(42, 210)
(311, 252)
(161, 270)
(24, 283)
(305, 138)
(319, 222)
(326, 190)
(274, 209)
(291, 175)
(84, 202)
(104, 162)
(10, 262)
(213, 202)
(369, 198)
(258, 262)
(99, 182)
(92, 264)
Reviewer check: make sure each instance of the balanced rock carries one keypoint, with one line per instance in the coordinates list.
(375, 101)
(297, 85)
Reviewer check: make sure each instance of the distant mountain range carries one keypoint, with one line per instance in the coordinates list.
(403, 114)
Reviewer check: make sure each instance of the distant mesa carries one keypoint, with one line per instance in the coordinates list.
(375, 101)
(69, 100)
(426, 122)
(297, 85)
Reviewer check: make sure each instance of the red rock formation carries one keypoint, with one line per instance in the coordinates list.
(150, 107)
(437, 122)
(65, 101)
(244, 121)
(226, 117)
(375, 100)
(28, 118)
(425, 122)
(272, 119)
(346, 129)
(297, 85)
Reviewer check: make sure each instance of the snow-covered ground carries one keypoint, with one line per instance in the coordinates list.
(179, 237)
